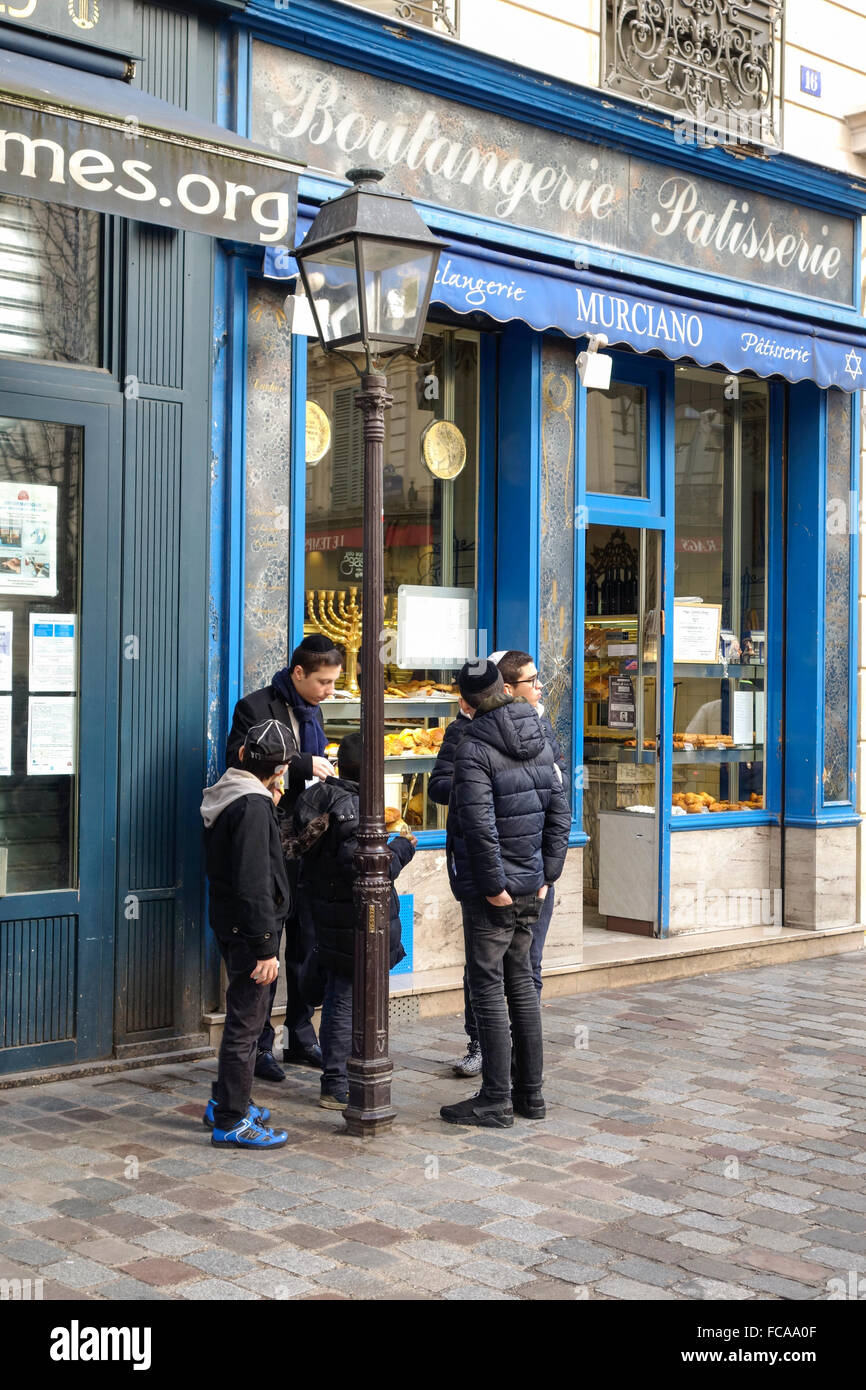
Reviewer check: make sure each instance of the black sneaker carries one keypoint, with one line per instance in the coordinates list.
(475, 1111)
(303, 1056)
(529, 1105)
(267, 1068)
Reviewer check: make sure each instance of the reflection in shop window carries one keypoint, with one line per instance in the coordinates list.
(40, 481)
(429, 539)
(721, 564)
(49, 282)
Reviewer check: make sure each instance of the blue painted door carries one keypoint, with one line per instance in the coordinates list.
(58, 664)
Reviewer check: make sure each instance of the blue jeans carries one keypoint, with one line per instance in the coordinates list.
(539, 936)
(504, 998)
(335, 1032)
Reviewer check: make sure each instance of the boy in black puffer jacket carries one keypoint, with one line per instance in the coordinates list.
(326, 826)
(506, 842)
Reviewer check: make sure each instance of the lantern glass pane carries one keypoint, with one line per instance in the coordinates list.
(395, 288)
(332, 285)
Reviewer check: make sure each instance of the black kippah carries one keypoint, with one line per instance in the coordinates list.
(316, 642)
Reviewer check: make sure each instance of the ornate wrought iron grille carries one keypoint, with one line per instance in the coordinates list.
(439, 15)
(716, 63)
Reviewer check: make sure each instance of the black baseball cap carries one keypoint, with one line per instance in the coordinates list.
(268, 744)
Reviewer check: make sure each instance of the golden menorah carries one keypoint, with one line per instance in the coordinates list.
(337, 614)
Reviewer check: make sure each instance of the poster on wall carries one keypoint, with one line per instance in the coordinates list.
(5, 735)
(53, 651)
(51, 735)
(5, 651)
(28, 539)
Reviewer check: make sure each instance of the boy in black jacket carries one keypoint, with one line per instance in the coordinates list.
(249, 901)
(326, 824)
(506, 842)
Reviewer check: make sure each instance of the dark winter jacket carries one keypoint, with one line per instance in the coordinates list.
(509, 819)
(249, 888)
(326, 826)
(253, 709)
(439, 782)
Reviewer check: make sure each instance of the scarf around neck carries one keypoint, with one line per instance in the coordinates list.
(312, 735)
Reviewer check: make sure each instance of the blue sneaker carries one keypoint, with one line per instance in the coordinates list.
(249, 1135)
(260, 1115)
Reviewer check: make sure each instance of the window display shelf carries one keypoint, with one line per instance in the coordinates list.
(413, 762)
(430, 707)
(742, 753)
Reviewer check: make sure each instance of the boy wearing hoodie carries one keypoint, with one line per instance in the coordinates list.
(506, 842)
(249, 901)
(326, 824)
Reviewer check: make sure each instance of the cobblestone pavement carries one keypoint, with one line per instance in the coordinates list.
(705, 1140)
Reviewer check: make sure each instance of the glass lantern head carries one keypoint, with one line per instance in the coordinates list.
(368, 264)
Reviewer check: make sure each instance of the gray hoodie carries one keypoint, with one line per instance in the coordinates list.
(233, 784)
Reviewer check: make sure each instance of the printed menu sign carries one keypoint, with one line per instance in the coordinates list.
(620, 703)
(697, 627)
(51, 735)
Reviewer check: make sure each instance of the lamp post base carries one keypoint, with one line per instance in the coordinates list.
(369, 1111)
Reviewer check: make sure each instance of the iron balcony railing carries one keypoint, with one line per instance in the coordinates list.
(716, 64)
(442, 16)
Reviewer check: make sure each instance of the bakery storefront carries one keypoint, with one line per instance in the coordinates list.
(676, 548)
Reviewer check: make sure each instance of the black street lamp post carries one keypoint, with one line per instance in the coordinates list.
(368, 264)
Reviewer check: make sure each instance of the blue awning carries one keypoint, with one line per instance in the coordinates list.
(578, 303)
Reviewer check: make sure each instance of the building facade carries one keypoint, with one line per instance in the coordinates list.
(678, 550)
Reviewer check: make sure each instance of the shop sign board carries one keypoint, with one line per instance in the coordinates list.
(107, 24)
(508, 171)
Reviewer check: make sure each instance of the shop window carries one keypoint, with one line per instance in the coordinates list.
(40, 489)
(837, 590)
(720, 609)
(50, 267)
(616, 440)
(430, 527)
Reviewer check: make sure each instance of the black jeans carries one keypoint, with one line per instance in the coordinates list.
(246, 1011)
(300, 938)
(539, 936)
(498, 942)
(335, 1033)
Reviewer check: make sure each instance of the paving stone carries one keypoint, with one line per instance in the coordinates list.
(148, 1206)
(131, 1290)
(571, 1271)
(108, 1251)
(524, 1232)
(217, 1291)
(169, 1243)
(31, 1252)
(780, 1201)
(476, 1293)
(79, 1273)
(14, 1212)
(647, 1271)
(494, 1274)
(618, 1287)
(160, 1272)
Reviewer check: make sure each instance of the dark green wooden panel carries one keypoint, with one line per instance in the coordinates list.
(38, 961)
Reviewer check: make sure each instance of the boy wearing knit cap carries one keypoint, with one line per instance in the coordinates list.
(506, 842)
(293, 697)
